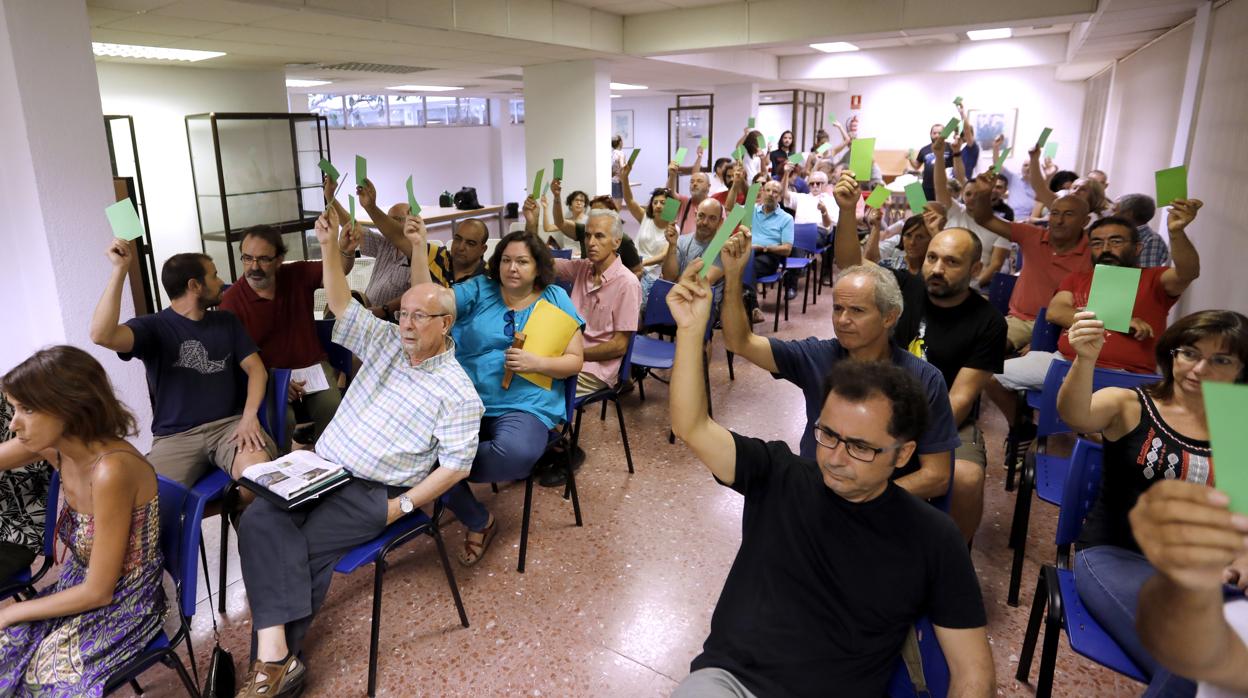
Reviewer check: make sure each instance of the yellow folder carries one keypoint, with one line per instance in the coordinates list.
(547, 333)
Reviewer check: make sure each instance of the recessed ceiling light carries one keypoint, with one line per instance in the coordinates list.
(986, 34)
(615, 96)
(296, 82)
(424, 88)
(155, 53)
(626, 86)
(834, 47)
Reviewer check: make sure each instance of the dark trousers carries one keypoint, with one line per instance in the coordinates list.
(766, 264)
(288, 558)
(509, 447)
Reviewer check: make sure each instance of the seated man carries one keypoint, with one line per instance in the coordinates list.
(817, 207)
(627, 250)
(407, 432)
(996, 249)
(1197, 546)
(1114, 242)
(836, 562)
(203, 416)
(276, 306)
(683, 249)
(1139, 209)
(866, 303)
(608, 298)
(389, 278)
(772, 227)
(24, 486)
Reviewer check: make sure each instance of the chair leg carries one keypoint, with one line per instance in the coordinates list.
(570, 487)
(805, 288)
(1052, 633)
(1018, 530)
(134, 686)
(779, 300)
(524, 526)
(223, 563)
(379, 572)
(603, 416)
(641, 386)
(619, 414)
(1038, 603)
(731, 375)
(190, 653)
(172, 659)
(494, 487)
(450, 575)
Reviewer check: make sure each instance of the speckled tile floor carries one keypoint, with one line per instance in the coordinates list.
(620, 606)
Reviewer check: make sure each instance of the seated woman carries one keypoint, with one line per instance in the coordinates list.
(1150, 434)
(651, 238)
(577, 212)
(490, 310)
(109, 602)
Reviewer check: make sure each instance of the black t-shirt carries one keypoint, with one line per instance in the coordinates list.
(927, 160)
(913, 296)
(627, 250)
(968, 335)
(823, 591)
(1003, 210)
(192, 367)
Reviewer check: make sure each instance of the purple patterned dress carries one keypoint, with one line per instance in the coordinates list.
(75, 655)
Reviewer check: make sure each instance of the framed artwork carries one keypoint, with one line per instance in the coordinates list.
(989, 123)
(622, 126)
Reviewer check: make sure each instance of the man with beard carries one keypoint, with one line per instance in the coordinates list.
(699, 190)
(203, 415)
(958, 332)
(1113, 241)
(683, 249)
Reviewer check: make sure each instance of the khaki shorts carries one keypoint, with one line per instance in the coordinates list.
(186, 456)
(1017, 333)
(972, 448)
(587, 383)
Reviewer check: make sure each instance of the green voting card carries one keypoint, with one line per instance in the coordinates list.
(1112, 296)
(796, 158)
(558, 174)
(328, 168)
(949, 128)
(670, 208)
(704, 143)
(750, 123)
(537, 183)
(351, 206)
(996, 166)
(1044, 137)
(831, 118)
(1171, 185)
(751, 197)
(916, 197)
(861, 153)
(957, 101)
(545, 188)
(633, 156)
(124, 220)
(1050, 149)
(1225, 407)
(681, 152)
(411, 198)
(823, 148)
(739, 153)
(361, 170)
(721, 236)
(879, 195)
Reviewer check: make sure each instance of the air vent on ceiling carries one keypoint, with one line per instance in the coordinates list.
(512, 78)
(373, 68)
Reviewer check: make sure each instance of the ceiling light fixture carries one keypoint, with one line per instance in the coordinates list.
(834, 47)
(987, 34)
(626, 86)
(155, 53)
(298, 82)
(424, 88)
(615, 96)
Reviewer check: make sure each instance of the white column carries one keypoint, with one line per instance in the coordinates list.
(734, 105)
(567, 114)
(54, 186)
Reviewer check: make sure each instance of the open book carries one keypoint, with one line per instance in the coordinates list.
(299, 475)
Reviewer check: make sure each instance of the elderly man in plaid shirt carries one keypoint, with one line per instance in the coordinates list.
(411, 407)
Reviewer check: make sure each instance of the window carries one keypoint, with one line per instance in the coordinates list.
(329, 106)
(394, 111)
(474, 111)
(515, 107)
(407, 110)
(367, 111)
(442, 111)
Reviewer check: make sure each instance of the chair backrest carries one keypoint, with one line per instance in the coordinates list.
(657, 312)
(935, 667)
(626, 363)
(275, 402)
(1083, 482)
(1049, 422)
(569, 400)
(1000, 291)
(1044, 334)
(805, 237)
(181, 515)
(340, 357)
(51, 511)
(748, 277)
(564, 253)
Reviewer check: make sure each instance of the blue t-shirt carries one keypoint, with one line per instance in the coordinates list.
(481, 339)
(775, 228)
(805, 363)
(192, 367)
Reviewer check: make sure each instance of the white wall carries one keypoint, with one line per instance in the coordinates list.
(649, 134)
(159, 97)
(898, 110)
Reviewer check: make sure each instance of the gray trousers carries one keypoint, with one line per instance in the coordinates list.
(288, 558)
(711, 682)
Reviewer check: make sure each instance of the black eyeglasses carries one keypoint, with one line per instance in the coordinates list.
(856, 449)
(509, 326)
(263, 259)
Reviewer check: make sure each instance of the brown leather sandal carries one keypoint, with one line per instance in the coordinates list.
(474, 550)
(273, 679)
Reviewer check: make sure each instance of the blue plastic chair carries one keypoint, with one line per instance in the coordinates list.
(1044, 473)
(181, 513)
(1000, 290)
(609, 394)
(562, 253)
(23, 583)
(375, 551)
(750, 279)
(650, 354)
(805, 242)
(1044, 336)
(273, 414)
(215, 486)
(935, 668)
(1055, 587)
(340, 357)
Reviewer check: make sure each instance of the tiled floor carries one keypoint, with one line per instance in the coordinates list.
(620, 606)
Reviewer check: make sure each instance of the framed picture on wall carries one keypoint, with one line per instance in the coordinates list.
(622, 126)
(989, 123)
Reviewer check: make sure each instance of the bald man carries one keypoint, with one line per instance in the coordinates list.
(683, 249)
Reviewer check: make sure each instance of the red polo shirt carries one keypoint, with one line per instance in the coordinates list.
(1043, 269)
(1122, 351)
(284, 328)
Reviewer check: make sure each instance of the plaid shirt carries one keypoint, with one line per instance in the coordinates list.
(397, 420)
(1154, 252)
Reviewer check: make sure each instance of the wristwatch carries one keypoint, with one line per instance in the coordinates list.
(405, 504)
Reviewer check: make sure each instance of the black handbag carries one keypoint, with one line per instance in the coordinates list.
(466, 199)
(219, 682)
(446, 200)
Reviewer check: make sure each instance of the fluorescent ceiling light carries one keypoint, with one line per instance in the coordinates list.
(424, 88)
(834, 47)
(626, 86)
(155, 53)
(986, 34)
(615, 96)
(297, 82)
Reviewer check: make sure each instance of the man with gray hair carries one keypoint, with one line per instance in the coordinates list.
(866, 303)
(1139, 209)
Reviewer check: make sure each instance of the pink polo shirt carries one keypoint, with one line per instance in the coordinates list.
(1043, 269)
(610, 307)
